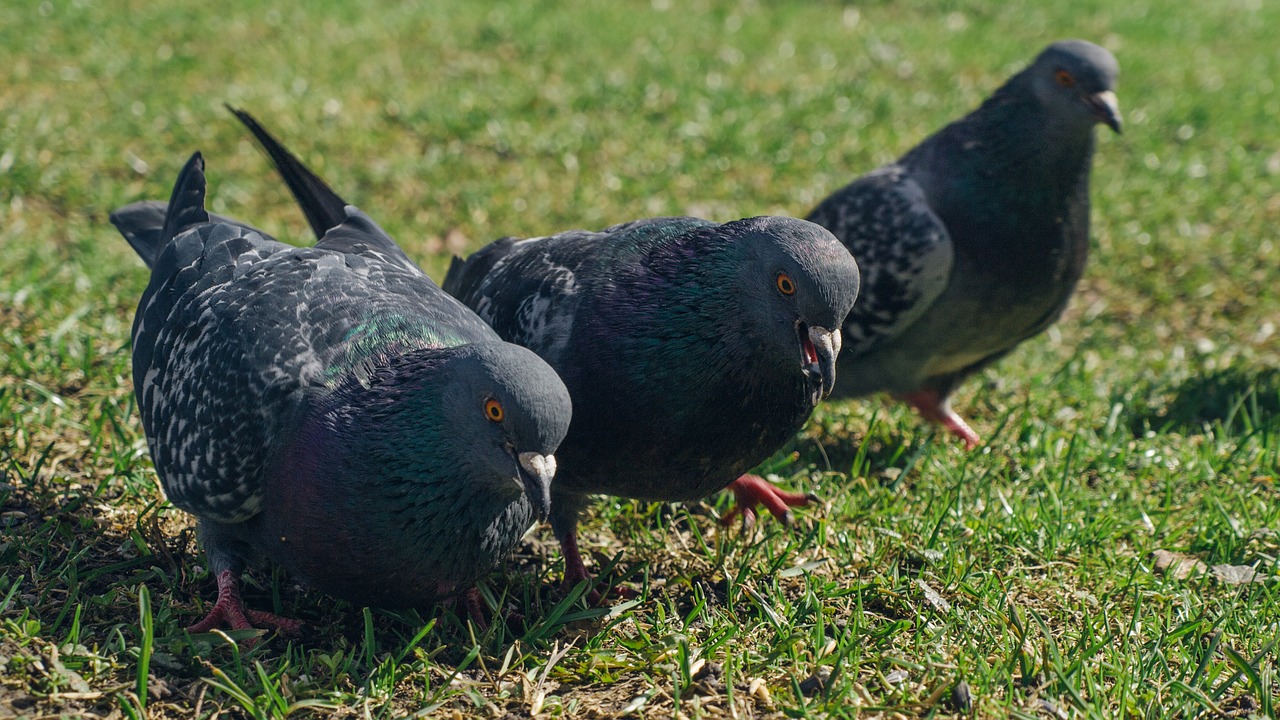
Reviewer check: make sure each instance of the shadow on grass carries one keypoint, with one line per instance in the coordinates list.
(82, 557)
(1232, 397)
(884, 448)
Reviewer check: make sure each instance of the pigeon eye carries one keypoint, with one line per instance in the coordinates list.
(1064, 79)
(493, 410)
(785, 284)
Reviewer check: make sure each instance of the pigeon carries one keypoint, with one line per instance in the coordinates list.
(974, 240)
(692, 350)
(331, 410)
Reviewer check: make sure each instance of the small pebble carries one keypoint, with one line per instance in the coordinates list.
(815, 683)
(960, 700)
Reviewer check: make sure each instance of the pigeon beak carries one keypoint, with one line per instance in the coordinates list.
(536, 472)
(1106, 107)
(820, 347)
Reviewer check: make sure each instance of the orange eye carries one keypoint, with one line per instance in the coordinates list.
(493, 410)
(785, 284)
(1064, 78)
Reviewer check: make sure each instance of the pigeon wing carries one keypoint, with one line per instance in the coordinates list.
(527, 290)
(902, 247)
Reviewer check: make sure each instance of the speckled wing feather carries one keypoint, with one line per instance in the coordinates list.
(529, 290)
(902, 248)
(530, 269)
(236, 330)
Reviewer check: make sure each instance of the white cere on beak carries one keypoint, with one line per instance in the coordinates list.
(824, 338)
(540, 466)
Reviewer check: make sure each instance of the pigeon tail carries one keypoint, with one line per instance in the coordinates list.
(338, 226)
(186, 204)
(141, 223)
(323, 208)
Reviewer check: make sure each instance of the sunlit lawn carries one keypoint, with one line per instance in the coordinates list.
(1147, 420)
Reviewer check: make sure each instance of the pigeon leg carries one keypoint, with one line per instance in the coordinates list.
(564, 521)
(753, 490)
(575, 571)
(936, 408)
(230, 611)
(474, 605)
(472, 602)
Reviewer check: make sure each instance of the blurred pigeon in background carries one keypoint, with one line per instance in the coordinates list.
(973, 241)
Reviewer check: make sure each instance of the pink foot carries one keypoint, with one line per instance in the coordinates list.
(229, 611)
(752, 490)
(937, 409)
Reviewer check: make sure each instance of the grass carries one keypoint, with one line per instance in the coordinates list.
(1148, 419)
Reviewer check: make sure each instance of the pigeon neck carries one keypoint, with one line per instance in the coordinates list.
(1041, 159)
(351, 489)
(328, 442)
(1056, 141)
(344, 433)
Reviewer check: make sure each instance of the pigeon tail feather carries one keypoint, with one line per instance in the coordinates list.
(186, 204)
(466, 274)
(323, 207)
(142, 224)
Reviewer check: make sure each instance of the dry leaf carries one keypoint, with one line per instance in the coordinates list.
(1238, 574)
(1177, 565)
(1180, 566)
(932, 596)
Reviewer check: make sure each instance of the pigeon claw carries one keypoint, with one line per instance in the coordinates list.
(936, 408)
(750, 491)
(229, 612)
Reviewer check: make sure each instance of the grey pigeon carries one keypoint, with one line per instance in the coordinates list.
(974, 240)
(692, 350)
(330, 409)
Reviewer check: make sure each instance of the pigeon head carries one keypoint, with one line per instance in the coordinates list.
(802, 282)
(496, 410)
(512, 399)
(1076, 81)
